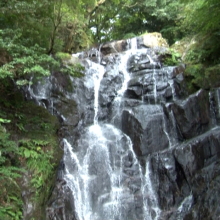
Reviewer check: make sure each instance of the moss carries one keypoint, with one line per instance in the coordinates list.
(63, 56)
(154, 39)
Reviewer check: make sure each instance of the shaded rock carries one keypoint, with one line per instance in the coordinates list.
(110, 84)
(192, 115)
(199, 153)
(68, 109)
(145, 126)
(114, 47)
(164, 177)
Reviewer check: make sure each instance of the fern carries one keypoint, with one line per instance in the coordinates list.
(38, 155)
(10, 199)
(10, 172)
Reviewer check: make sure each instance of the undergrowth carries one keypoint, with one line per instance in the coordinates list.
(29, 153)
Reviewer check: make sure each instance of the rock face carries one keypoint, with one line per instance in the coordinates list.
(136, 146)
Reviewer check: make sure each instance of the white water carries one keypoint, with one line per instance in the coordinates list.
(102, 170)
(133, 44)
(185, 206)
(151, 203)
(101, 163)
(102, 185)
(122, 68)
(154, 78)
(96, 71)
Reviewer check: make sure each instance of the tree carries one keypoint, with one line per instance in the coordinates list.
(116, 19)
(30, 17)
(201, 20)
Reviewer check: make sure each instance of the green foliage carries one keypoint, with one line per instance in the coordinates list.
(129, 35)
(72, 25)
(205, 49)
(212, 76)
(12, 212)
(70, 65)
(63, 56)
(172, 59)
(201, 16)
(37, 155)
(75, 70)
(200, 76)
(195, 77)
(8, 151)
(30, 17)
(116, 19)
(33, 154)
(25, 61)
(10, 200)
(201, 20)
(4, 120)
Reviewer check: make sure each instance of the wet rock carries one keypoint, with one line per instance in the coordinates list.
(110, 84)
(114, 47)
(192, 115)
(141, 61)
(168, 93)
(165, 164)
(144, 124)
(214, 104)
(199, 152)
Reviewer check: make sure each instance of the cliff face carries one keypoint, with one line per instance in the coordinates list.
(128, 126)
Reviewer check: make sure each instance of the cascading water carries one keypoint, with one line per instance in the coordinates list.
(106, 179)
(152, 208)
(97, 77)
(103, 173)
(135, 147)
(154, 78)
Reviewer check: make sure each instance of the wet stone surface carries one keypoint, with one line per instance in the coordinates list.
(136, 147)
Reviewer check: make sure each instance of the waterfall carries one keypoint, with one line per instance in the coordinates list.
(135, 147)
(155, 86)
(151, 203)
(154, 78)
(102, 171)
(96, 176)
(98, 72)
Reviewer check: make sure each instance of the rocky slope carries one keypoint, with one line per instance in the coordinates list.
(175, 137)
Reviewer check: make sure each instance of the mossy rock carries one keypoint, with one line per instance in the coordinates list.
(63, 56)
(154, 39)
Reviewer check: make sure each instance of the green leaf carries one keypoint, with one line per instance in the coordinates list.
(4, 120)
(27, 153)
